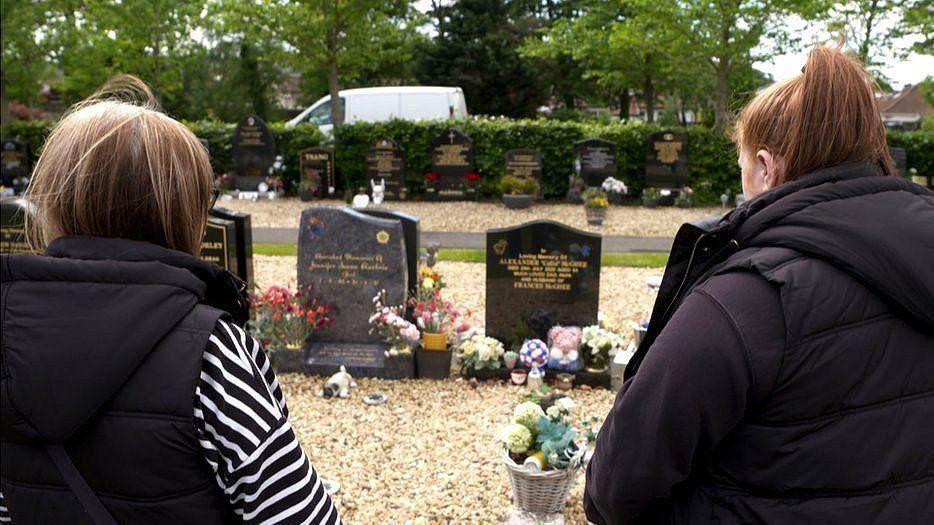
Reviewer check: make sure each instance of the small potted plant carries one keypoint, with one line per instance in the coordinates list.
(615, 190)
(650, 197)
(283, 320)
(510, 358)
(599, 347)
(595, 205)
(518, 192)
(542, 456)
(438, 320)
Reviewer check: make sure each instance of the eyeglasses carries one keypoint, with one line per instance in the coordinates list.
(214, 194)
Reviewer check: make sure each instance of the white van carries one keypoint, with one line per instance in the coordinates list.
(386, 103)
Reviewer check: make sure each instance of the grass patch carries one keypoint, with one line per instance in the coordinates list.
(632, 260)
(273, 248)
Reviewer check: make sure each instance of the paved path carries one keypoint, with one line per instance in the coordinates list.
(476, 240)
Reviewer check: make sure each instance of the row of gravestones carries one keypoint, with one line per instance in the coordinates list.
(228, 237)
(537, 274)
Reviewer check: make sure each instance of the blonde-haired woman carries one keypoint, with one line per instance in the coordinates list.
(788, 372)
(129, 395)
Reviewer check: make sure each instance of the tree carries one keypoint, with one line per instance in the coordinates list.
(727, 34)
(476, 48)
(873, 27)
(342, 40)
(24, 51)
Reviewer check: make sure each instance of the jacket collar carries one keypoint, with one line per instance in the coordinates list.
(221, 290)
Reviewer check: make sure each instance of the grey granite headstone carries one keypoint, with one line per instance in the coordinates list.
(13, 225)
(347, 258)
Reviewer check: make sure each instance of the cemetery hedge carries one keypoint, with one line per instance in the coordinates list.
(712, 156)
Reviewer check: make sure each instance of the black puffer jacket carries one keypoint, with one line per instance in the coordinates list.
(821, 411)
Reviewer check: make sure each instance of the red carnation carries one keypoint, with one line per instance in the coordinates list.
(472, 177)
(431, 176)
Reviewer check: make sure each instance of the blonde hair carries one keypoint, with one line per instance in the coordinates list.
(824, 117)
(115, 166)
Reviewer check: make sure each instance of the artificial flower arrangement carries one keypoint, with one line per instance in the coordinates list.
(564, 343)
(285, 319)
(543, 438)
(600, 346)
(480, 352)
(389, 323)
(614, 186)
(432, 313)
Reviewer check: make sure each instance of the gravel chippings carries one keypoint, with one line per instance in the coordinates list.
(430, 455)
(464, 216)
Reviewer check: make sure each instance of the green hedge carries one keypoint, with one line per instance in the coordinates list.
(289, 141)
(712, 156)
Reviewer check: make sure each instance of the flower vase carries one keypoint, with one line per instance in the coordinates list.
(288, 358)
(433, 364)
(434, 341)
(510, 360)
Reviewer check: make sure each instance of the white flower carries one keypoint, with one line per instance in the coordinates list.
(565, 403)
(527, 414)
(428, 283)
(517, 438)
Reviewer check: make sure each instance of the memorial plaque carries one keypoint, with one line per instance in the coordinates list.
(595, 160)
(243, 243)
(347, 258)
(543, 269)
(317, 171)
(410, 229)
(524, 163)
(15, 165)
(385, 161)
(254, 152)
(453, 174)
(219, 243)
(13, 226)
(666, 160)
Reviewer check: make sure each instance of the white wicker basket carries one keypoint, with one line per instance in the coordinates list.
(541, 491)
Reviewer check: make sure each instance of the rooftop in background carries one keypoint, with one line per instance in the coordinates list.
(904, 109)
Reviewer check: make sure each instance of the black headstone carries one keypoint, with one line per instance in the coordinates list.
(254, 152)
(666, 160)
(317, 168)
(541, 269)
(243, 242)
(410, 228)
(385, 161)
(524, 163)
(13, 226)
(595, 160)
(15, 164)
(900, 156)
(347, 258)
(453, 174)
(219, 244)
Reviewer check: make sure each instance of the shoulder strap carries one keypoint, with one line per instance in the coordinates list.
(91, 503)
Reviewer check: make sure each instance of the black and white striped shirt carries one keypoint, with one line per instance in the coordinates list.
(242, 423)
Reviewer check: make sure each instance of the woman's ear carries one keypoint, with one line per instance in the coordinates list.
(769, 168)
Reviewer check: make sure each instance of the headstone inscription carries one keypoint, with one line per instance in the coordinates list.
(219, 243)
(453, 174)
(666, 160)
(254, 152)
(524, 163)
(346, 258)
(411, 231)
(242, 240)
(542, 270)
(385, 160)
(15, 165)
(13, 225)
(595, 160)
(317, 171)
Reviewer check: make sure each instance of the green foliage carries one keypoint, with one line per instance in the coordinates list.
(510, 185)
(711, 155)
